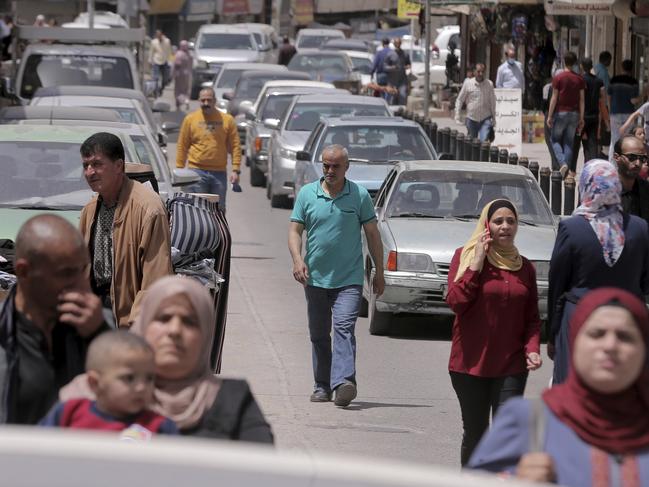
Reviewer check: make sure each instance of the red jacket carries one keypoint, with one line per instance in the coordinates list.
(497, 319)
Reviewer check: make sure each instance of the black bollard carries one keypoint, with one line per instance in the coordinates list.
(459, 147)
(400, 112)
(432, 135)
(503, 156)
(513, 158)
(569, 185)
(544, 182)
(452, 143)
(484, 151)
(534, 169)
(493, 153)
(467, 148)
(524, 161)
(555, 200)
(446, 138)
(475, 149)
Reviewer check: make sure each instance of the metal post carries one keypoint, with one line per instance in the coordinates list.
(427, 60)
(484, 151)
(91, 14)
(513, 158)
(475, 149)
(555, 200)
(459, 147)
(569, 195)
(453, 142)
(432, 135)
(503, 156)
(544, 182)
(445, 134)
(467, 147)
(493, 153)
(524, 161)
(534, 169)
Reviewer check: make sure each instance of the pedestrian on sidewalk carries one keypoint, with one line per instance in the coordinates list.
(159, 55)
(624, 95)
(547, 132)
(598, 246)
(510, 73)
(630, 154)
(399, 76)
(206, 138)
(601, 69)
(286, 52)
(496, 333)
(480, 98)
(378, 67)
(332, 211)
(594, 429)
(566, 111)
(182, 73)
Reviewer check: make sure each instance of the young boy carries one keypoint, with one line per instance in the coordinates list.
(121, 373)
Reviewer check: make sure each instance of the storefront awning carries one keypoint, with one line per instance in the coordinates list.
(579, 7)
(157, 7)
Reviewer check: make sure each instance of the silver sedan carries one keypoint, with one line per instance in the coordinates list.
(426, 211)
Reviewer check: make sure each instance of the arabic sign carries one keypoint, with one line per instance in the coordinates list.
(408, 9)
(508, 131)
(569, 8)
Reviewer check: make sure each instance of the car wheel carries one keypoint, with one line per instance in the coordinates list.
(379, 320)
(257, 177)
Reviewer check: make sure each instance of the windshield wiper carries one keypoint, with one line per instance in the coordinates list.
(468, 216)
(356, 159)
(415, 215)
(528, 222)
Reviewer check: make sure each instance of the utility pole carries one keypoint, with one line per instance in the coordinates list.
(427, 61)
(91, 14)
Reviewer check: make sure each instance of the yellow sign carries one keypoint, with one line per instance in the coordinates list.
(408, 9)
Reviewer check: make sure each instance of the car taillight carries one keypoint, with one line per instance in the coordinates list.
(258, 144)
(435, 48)
(392, 261)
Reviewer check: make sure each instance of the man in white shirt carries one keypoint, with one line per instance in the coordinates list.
(159, 54)
(510, 73)
(478, 93)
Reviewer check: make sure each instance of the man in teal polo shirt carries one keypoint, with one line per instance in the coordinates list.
(332, 210)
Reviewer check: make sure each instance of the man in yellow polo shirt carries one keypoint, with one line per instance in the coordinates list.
(206, 137)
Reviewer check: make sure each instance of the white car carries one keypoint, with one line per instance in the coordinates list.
(314, 38)
(445, 36)
(362, 62)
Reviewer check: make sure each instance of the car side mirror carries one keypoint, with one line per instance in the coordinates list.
(272, 123)
(228, 95)
(303, 155)
(6, 86)
(184, 177)
(250, 115)
(162, 139)
(161, 106)
(445, 156)
(169, 127)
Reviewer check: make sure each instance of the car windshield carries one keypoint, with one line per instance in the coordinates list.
(318, 62)
(249, 88)
(128, 115)
(416, 55)
(275, 106)
(463, 194)
(229, 78)
(55, 70)
(226, 41)
(378, 143)
(42, 175)
(362, 65)
(310, 42)
(305, 116)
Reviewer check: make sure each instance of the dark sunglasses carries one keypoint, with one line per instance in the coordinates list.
(636, 157)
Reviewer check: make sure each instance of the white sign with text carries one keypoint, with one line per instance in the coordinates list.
(509, 120)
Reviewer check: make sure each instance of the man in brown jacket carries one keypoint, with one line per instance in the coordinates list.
(126, 229)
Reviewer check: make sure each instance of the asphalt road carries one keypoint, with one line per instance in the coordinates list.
(406, 408)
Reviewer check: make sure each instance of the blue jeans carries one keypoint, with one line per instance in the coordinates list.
(479, 129)
(563, 136)
(338, 307)
(160, 74)
(212, 182)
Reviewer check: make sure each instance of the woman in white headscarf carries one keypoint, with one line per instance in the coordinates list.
(182, 75)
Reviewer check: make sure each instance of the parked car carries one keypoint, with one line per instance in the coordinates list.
(331, 66)
(446, 35)
(356, 45)
(226, 80)
(301, 118)
(426, 211)
(217, 44)
(362, 64)
(374, 145)
(271, 106)
(314, 38)
(245, 93)
(266, 38)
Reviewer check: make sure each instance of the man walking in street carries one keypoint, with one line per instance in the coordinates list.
(594, 99)
(601, 69)
(286, 52)
(378, 65)
(332, 211)
(48, 319)
(478, 93)
(125, 227)
(629, 155)
(206, 138)
(159, 54)
(399, 62)
(624, 94)
(566, 112)
(510, 73)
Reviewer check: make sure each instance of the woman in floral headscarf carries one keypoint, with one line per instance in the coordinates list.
(599, 246)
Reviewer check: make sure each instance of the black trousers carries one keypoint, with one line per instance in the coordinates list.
(589, 144)
(479, 398)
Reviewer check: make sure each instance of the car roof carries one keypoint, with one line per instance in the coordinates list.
(340, 42)
(359, 54)
(262, 74)
(90, 91)
(78, 49)
(58, 113)
(468, 166)
(298, 83)
(222, 29)
(254, 66)
(354, 120)
(308, 31)
(306, 90)
(69, 134)
(334, 98)
(84, 101)
(320, 53)
(256, 27)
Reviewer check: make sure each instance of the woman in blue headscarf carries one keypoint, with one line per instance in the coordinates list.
(598, 246)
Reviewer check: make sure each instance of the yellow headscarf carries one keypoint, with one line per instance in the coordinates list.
(507, 259)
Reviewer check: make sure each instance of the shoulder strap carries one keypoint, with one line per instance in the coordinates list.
(537, 425)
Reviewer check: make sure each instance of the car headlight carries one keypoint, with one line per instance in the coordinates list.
(287, 153)
(542, 269)
(200, 64)
(413, 262)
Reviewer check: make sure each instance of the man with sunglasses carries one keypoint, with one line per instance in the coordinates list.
(630, 154)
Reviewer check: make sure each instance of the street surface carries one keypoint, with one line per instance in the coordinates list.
(406, 408)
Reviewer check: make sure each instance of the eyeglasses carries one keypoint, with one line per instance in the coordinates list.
(636, 157)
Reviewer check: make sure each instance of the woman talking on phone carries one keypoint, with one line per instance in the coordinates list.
(496, 333)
